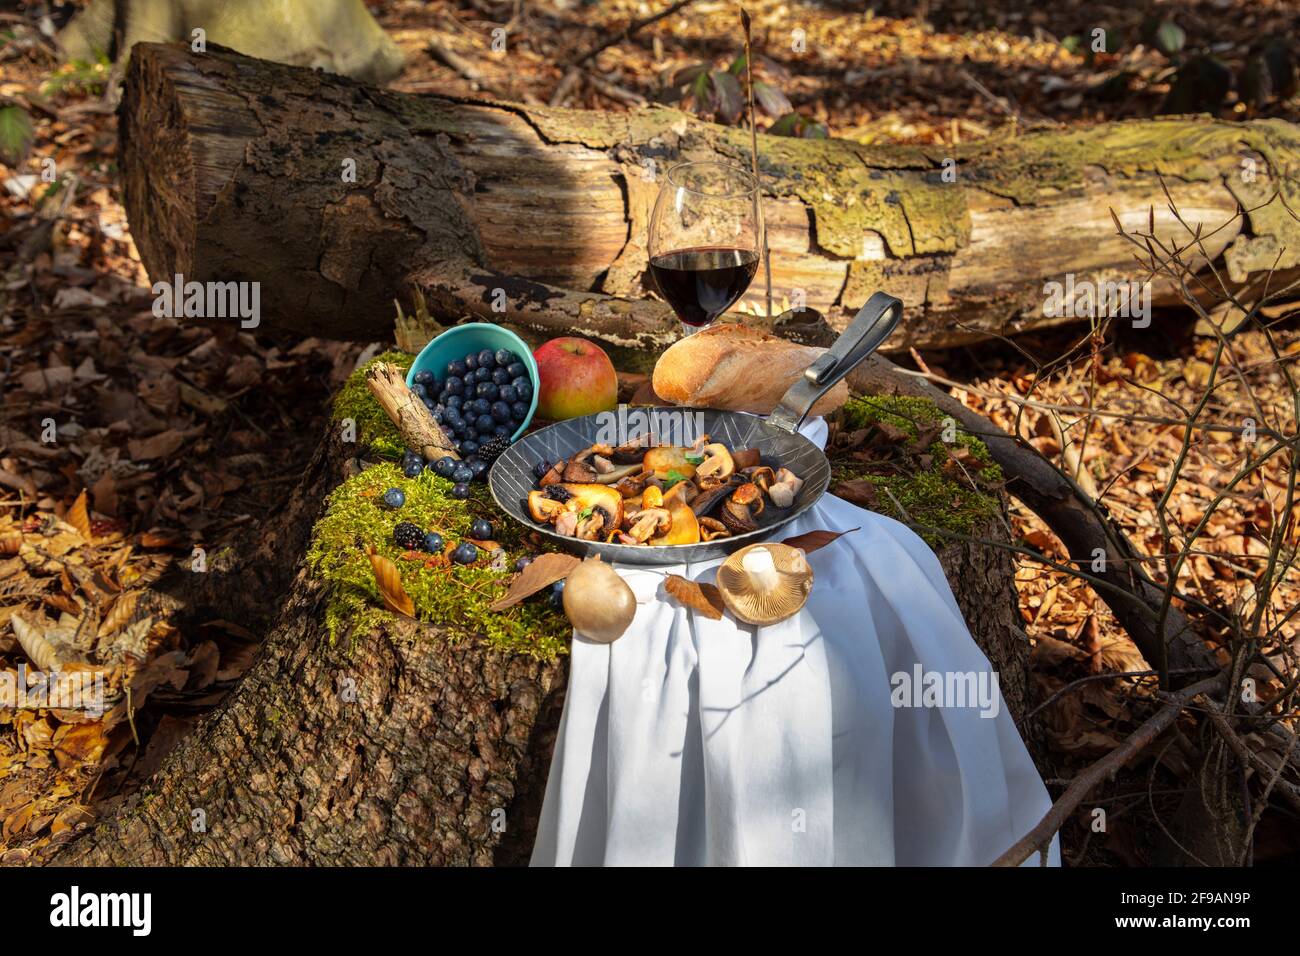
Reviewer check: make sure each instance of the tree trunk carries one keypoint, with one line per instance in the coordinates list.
(339, 197)
(393, 748)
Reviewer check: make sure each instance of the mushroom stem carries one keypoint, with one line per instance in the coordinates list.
(761, 568)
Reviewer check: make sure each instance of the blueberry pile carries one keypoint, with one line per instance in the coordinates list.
(480, 402)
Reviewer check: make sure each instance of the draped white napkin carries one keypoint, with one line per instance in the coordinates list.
(690, 741)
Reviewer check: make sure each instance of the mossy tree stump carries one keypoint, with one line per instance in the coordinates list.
(362, 737)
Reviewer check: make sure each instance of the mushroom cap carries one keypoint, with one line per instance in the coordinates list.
(598, 602)
(755, 602)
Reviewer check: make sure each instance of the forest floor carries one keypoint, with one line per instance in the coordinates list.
(171, 438)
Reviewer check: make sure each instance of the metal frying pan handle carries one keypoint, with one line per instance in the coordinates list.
(869, 328)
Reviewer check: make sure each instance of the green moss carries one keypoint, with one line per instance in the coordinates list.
(375, 430)
(929, 499)
(454, 597)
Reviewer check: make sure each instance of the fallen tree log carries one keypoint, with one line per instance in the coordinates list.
(338, 197)
(393, 745)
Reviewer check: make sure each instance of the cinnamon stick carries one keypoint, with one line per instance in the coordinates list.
(420, 432)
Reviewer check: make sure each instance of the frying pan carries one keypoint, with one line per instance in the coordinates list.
(776, 437)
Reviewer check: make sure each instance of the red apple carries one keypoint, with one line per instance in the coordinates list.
(577, 378)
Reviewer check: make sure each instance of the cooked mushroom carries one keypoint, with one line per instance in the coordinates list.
(746, 458)
(684, 491)
(616, 473)
(543, 508)
(765, 583)
(749, 494)
(554, 474)
(711, 528)
(736, 511)
(633, 484)
(584, 467)
(632, 452)
(567, 523)
(592, 523)
(666, 460)
(782, 494)
(760, 475)
(716, 466)
(684, 530)
(787, 477)
(707, 500)
(648, 523)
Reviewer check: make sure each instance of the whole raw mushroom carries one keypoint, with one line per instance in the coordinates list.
(598, 602)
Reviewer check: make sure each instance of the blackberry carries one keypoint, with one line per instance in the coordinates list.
(408, 536)
(491, 449)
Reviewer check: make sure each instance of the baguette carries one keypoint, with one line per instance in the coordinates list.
(737, 368)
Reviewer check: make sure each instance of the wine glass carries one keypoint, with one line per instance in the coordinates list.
(706, 233)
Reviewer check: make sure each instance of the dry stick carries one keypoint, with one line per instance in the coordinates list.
(408, 413)
(1038, 839)
(627, 31)
(753, 152)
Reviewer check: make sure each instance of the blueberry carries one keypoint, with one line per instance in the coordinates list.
(463, 473)
(488, 390)
(460, 490)
(485, 423)
(504, 357)
(444, 466)
(429, 403)
(423, 377)
(412, 469)
(500, 376)
(523, 562)
(393, 498)
(466, 553)
(483, 406)
(453, 401)
(503, 431)
(486, 359)
(453, 386)
(556, 596)
(541, 468)
(523, 388)
(480, 529)
(482, 374)
(517, 370)
(508, 395)
(457, 368)
(519, 411)
(471, 361)
(433, 542)
(468, 447)
(420, 390)
(478, 466)
(438, 412)
(501, 412)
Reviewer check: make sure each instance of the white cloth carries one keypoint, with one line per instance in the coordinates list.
(697, 742)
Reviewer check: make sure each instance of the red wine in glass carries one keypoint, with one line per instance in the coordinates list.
(702, 283)
(706, 231)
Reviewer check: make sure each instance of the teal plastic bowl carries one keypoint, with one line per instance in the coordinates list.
(460, 340)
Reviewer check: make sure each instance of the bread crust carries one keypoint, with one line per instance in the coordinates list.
(737, 368)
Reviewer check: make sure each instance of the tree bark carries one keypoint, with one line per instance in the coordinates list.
(392, 748)
(339, 197)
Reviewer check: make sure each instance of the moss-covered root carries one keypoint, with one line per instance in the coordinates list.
(931, 502)
(454, 597)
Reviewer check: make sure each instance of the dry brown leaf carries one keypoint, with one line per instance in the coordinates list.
(695, 595)
(543, 571)
(122, 611)
(79, 517)
(79, 743)
(858, 491)
(811, 541)
(389, 580)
